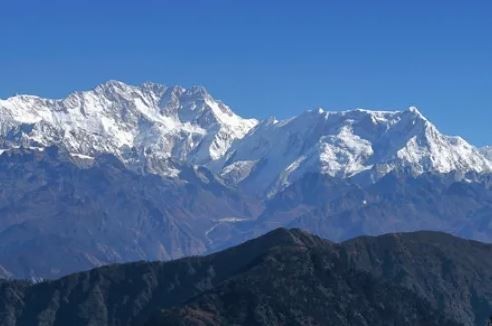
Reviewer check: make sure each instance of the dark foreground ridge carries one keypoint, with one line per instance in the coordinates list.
(286, 277)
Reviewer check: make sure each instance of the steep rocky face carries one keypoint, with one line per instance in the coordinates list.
(341, 209)
(284, 277)
(58, 217)
(60, 214)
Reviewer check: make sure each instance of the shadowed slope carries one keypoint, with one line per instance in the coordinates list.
(284, 277)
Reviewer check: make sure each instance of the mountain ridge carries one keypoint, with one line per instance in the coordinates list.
(71, 180)
(151, 125)
(285, 275)
(130, 122)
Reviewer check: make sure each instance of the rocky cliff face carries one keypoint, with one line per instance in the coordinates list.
(58, 218)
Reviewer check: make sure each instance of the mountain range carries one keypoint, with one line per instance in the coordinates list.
(286, 277)
(123, 173)
(151, 127)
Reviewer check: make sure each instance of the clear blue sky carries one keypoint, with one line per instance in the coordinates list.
(264, 57)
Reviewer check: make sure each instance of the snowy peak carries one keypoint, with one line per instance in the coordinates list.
(193, 105)
(141, 125)
(155, 128)
(345, 144)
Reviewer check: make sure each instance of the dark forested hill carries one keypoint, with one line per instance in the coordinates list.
(287, 277)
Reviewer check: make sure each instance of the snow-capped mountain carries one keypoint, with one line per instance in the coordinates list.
(152, 127)
(345, 144)
(145, 126)
(228, 179)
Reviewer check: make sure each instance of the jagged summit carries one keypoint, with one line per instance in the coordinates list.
(138, 124)
(147, 126)
(345, 144)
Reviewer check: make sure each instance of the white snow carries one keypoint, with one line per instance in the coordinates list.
(237, 171)
(348, 143)
(487, 152)
(141, 125)
(81, 156)
(150, 126)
